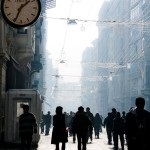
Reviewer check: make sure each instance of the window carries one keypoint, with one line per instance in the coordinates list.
(22, 31)
(135, 12)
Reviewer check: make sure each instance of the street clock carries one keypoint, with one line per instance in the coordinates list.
(20, 13)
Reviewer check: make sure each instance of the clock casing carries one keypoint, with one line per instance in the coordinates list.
(20, 13)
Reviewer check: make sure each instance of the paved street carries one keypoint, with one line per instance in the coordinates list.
(97, 144)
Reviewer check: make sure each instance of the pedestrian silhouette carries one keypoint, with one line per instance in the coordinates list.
(108, 124)
(101, 124)
(97, 125)
(123, 115)
(118, 130)
(27, 126)
(91, 117)
(59, 132)
(124, 120)
(42, 123)
(73, 128)
(47, 121)
(138, 126)
(81, 125)
(70, 116)
(112, 116)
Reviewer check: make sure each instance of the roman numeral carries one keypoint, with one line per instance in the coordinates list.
(9, 14)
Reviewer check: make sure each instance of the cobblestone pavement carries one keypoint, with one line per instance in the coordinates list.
(97, 144)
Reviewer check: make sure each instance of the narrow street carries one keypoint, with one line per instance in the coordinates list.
(97, 144)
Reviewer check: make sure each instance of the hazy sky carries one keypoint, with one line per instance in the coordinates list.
(69, 41)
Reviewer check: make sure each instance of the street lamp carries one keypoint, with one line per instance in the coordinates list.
(71, 21)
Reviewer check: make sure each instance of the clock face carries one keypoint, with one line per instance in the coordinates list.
(20, 13)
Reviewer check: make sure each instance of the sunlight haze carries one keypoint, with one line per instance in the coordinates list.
(69, 41)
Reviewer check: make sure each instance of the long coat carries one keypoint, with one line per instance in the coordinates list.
(138, 130)
(97, 122)
(59, 132)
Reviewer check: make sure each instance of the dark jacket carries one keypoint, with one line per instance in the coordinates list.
(97, 122)
(59, 133)
(138, 129)
(81, 123)
(47, 119)
(27, 124)
(108, 123)
(118, 125)
(91, 117)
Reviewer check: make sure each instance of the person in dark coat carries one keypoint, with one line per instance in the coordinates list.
(70, 123)
(91, 117)
(113, 115)
(118, 130)
(71, 127)
(59, 132)
(124, 119)
(81, 125)
(27, 126)
(47, 121)
(108, 124)
(97, 125)
(42, 123)
(138, 126)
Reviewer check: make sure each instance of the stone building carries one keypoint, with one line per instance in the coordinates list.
(123, 45)
(21, 60)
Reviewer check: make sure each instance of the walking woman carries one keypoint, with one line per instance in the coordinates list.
(59, 133)
(97, 124)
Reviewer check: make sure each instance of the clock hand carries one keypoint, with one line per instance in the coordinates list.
(19, 10)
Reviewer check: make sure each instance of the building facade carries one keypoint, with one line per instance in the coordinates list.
(21, 51)
(124, 47)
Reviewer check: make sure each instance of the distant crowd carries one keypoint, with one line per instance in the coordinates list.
(132, 128)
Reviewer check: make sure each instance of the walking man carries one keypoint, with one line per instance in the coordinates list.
(81, 126)
(108, 125)
(138, 126)
(47, 123)
(91, 117)
(118, 131)
(27, 126)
